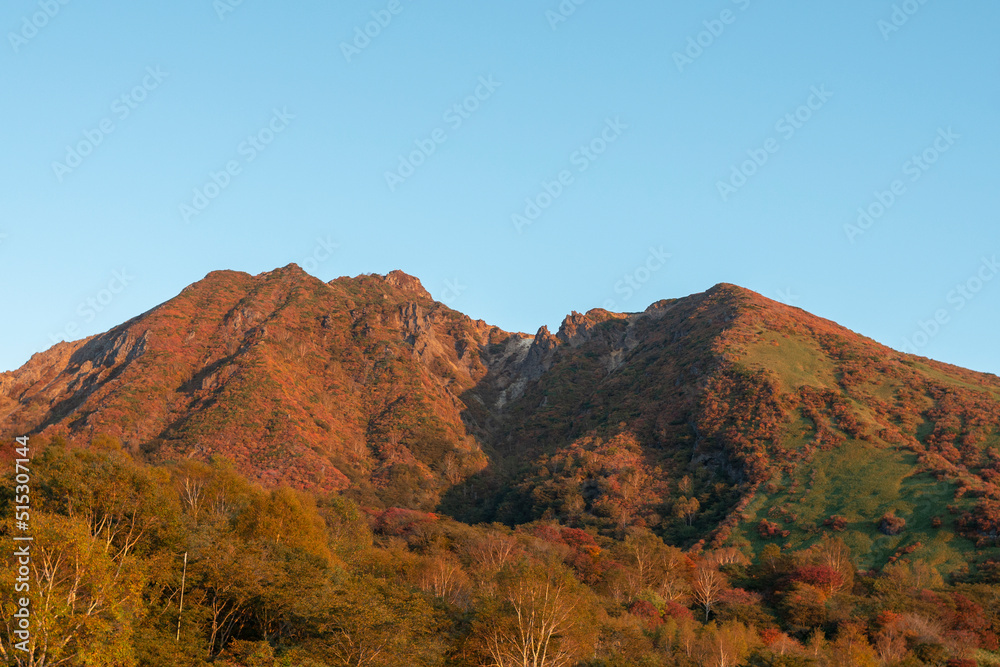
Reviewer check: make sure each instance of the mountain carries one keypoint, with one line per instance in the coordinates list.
(722, 418)
(297, 381)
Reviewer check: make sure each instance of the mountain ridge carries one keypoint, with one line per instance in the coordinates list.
(370, 387)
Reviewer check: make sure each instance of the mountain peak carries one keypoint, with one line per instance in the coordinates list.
(230, 276)
(406, 283)
(291, 269)
(735, 291)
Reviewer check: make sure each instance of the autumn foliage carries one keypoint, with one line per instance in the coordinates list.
(359, 475)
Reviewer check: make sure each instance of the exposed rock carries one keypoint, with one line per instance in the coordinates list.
(406, 283)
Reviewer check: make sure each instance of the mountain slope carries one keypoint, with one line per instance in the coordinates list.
(718, 418)
(731, 419)
(299, 382)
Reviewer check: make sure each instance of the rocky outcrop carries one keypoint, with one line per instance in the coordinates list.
(406, 283)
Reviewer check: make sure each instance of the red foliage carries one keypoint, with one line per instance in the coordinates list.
(836, 522)
(771, 635)
(822, 407)
(819, 576)
(965, 619)
(583, 554)
(399, 522)
(646, 611)
(887, 619)
(743, 411)
(607, 478)
(740, 596)
(890, 524)
(768, 529)
(676, 610)
(904, 551)
(982, 524)
(969, 617)
(579, 539)
(548, 533)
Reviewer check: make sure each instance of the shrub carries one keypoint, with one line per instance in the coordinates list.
(836, 522)
(982, 524)
(890, 524)
(768, 529)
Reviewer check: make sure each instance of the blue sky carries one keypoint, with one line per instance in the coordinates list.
(600, 154)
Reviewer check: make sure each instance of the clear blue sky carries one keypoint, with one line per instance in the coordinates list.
(161, 95)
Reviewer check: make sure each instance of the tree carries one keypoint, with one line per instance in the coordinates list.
(804, 606)
(652, 565)
(816, 643)
(725, 646)
(771, 557)
(346, 525)
(834, 554)
(84, 597)
(192, 477)
(228, 573)
(538, 618)
(820, 576)
(685, 486)
(890, 645)
(982, 524)
(836, 522)
(851, 648)
(902, 577)
(687, 509)
(248, 654)
(707, 586)
(120, 502)
(371, 623)
(442, 575)
(286, 517)
(494, 551)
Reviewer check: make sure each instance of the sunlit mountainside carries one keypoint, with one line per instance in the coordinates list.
(359, 473)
